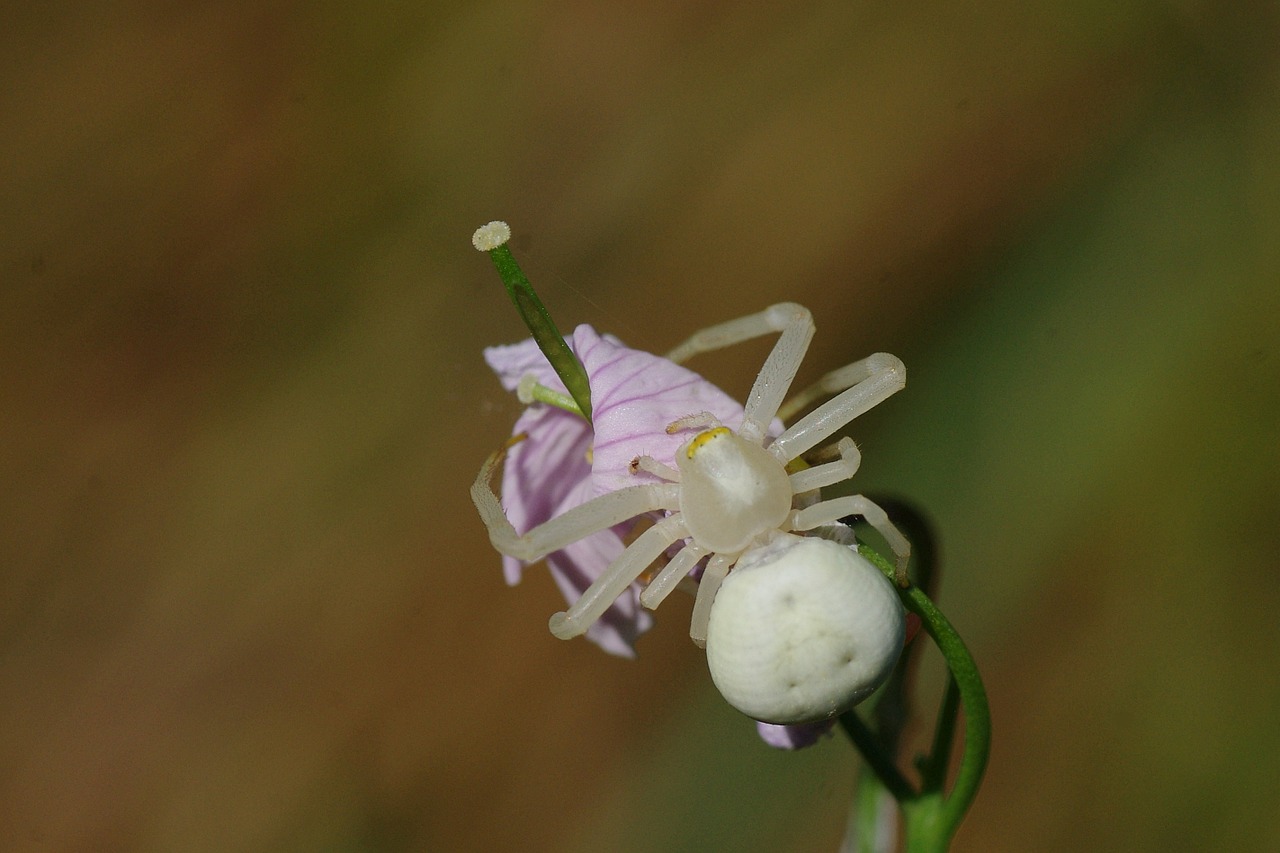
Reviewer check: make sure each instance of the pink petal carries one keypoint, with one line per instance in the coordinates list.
(634, 395)
(541, 471)
(794, 737)
(512, 361)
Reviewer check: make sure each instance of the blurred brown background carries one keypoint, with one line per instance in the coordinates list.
(245, 602)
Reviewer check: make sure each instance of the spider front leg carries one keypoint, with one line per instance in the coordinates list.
(830, 511)
(572, 525)
(828, 386)
(723, 335)
(775, 377)
(870, 381)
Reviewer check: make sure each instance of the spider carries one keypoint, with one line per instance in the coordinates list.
(733, 497)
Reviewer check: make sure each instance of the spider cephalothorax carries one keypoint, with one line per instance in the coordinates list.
(729, 500)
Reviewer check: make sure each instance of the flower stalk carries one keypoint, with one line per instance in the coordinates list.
(931, 815)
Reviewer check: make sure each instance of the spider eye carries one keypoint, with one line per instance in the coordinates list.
(700, 440)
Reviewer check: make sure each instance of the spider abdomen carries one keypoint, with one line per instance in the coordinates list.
(731, 490)
(801, 630)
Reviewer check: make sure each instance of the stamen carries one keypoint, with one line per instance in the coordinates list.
(531, 391)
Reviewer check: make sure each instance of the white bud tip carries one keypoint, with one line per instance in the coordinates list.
(491, 236)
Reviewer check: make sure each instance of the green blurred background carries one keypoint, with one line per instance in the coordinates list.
(246, 603)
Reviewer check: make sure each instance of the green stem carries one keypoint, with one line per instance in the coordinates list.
(543, 328)
(879, 760)
(873, 824)
(933, 770)
(977, 713)
(932, 817)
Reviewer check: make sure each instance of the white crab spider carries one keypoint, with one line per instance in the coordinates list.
(805, 627)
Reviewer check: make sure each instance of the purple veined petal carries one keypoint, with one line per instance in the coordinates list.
(634, 395)
(545, 475)
(794, 737)
(512, 361)
(542, 470)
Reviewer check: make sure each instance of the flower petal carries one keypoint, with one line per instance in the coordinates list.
(634, 396)
(540, 471)
(512, 361)
(545, 475)
(794, 737)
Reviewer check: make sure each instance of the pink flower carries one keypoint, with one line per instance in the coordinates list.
(560, 464)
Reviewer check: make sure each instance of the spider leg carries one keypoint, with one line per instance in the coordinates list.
(717, 567)
(671, 575)
(831, 472)
(774, 380)
(570, 526)
(730, 332)
(835, 509)
(870, 382)
(652, 466)
(615, 579)
(701, 420)
(828, 386)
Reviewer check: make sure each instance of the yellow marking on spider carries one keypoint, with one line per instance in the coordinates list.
(702, 439)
